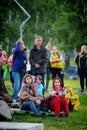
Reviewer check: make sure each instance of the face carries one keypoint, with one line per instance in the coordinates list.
(57, 84)
(67, 89)
(38, 42)
(48, 47)
(38, 81)
(28, 80)
(83, 49)
(54, 50)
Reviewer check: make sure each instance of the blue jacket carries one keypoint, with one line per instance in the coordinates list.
(18, 59)
(40, 89)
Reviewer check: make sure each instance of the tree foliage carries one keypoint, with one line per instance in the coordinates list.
(64, 23)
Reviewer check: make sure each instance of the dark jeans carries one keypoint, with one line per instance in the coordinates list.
(83, 77)
(57, 72)
(47, 76)
(1, 72)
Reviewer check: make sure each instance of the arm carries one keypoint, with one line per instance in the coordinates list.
(55, 60)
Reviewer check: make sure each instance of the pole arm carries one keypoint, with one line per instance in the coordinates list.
(21, 26)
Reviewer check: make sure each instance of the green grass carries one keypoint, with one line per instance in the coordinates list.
(76, 121)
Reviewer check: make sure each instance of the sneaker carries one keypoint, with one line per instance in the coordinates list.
(81, 91)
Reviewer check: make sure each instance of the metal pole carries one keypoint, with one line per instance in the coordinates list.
(21, 26)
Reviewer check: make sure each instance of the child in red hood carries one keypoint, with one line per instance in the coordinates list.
(58, 101)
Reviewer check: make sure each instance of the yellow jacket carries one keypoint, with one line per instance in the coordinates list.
(74, 99)
(57, 64)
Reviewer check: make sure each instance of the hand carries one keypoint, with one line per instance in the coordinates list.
(38, 102)
(25, 61)
(52, 93)
(37, 65)
(60, 94)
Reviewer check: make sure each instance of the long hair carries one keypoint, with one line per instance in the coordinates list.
(56, 78)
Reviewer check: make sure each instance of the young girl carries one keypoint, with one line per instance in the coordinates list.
(38, 84)
(56, 64)
(4, 68)
(58, 101)
(29, 99)
(73, 99)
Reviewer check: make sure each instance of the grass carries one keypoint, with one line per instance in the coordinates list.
(76, 121)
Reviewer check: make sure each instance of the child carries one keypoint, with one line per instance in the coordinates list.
(4, 68)
(29, 99)
(72, 98)
(38, 84)
(58, 102)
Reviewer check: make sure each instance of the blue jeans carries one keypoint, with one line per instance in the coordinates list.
(17, 84)
(30, 105)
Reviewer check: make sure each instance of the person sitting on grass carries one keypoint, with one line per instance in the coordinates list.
(58, 102)
(38, 84)
(28, 97)
(73, 99)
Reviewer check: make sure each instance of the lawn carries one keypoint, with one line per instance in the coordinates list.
(76, 121)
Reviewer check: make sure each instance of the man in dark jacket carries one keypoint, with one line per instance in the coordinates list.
(38, 58)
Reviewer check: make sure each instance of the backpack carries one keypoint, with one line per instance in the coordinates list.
(83, 61)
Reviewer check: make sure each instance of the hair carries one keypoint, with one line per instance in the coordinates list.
(38, 76)
(27, 75)
(37, 38)
(57, 78)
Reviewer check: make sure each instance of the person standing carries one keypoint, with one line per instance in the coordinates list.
(48, 47)
(38, 58)
(10, 68)
(18, 66)
(81, 61)
(56, 64)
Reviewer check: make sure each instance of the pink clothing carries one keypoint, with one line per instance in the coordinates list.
(36, 85)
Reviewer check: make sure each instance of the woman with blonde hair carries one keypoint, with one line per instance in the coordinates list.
(56, 64)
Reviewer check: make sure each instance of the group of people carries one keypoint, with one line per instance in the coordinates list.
(60, 99)
(42, 61)
(28, 89)
(30, 96)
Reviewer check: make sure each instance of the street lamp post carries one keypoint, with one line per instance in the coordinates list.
(21, 26)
